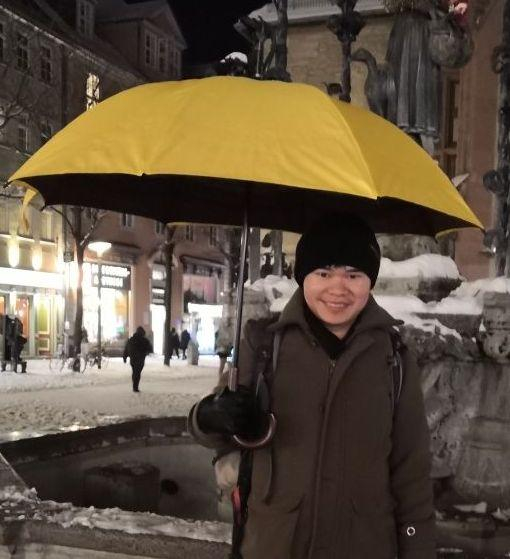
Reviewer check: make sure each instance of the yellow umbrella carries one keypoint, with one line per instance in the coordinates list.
(238, 151)
(208, 150)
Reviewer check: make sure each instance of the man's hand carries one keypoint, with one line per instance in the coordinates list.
(231, 413)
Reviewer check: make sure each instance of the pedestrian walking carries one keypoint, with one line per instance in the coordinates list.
(137, 348)
(347, 471)
(185, 338)
(223, 345)
(174, 343)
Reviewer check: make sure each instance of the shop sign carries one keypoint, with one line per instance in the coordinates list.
(158, 296)
(114, 277)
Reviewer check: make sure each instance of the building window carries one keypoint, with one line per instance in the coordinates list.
(22, 134)
(160, 228)
(127, 221)
(85, 18)
(213, 236)
(162, 55)
(4, 218)
(189, 233)
(150, 49)
(2, 40)
(21, 51)
(447, 147)
(46, 227)
(46, 64)
(92, 91)
(46, 132)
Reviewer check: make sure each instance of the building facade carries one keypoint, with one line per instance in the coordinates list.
(57, 60)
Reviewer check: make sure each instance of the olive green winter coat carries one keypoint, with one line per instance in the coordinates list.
(344, 478)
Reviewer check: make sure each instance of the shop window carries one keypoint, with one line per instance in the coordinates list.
(21, 51)
(22, 134)
(85, 17)
(22, 311)
(92, 91)
(2, 304)
(189, 233)
(46, 64)
(127, 221)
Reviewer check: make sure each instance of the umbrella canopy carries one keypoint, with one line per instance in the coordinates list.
(206, 150)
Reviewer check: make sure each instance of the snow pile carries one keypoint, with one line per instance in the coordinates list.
(422, 266)
(277, 290)
(477, 289)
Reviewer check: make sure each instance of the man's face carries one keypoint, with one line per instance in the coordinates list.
(336, 295)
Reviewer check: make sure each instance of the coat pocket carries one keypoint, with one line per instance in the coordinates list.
(271, 527)
(373, 528)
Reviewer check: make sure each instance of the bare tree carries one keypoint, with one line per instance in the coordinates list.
(25, 75)
(169, 246)
(82, 224)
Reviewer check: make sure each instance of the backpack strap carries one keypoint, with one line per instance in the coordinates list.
(397, 368)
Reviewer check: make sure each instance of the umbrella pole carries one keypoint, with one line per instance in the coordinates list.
(232, 373)
(240, 293)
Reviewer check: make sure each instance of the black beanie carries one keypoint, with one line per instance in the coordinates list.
(340, 239)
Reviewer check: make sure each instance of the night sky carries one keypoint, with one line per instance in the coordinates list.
(207, 26)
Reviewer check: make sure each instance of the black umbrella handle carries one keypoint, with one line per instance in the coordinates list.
(271, 428)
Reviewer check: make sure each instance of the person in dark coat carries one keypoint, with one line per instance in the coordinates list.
(347, 473)
(174, 343)
(185, 338)
(137, 348)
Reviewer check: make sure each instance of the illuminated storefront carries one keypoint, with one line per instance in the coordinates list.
(36, 299)
(109, 285)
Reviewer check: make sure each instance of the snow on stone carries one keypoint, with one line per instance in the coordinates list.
(277, 290)
(237, 56)
(422, 266)
(141, 523)
(67, 515)
(478, 288)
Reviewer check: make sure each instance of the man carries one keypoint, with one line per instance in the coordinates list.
(347, 472)
(185, 338)
(137, 348)
(174, 343)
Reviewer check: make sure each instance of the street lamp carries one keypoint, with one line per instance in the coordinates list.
(99, 247)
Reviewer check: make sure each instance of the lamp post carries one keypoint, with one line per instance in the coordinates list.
(99, 247)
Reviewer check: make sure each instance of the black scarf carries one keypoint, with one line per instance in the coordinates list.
(331, 344)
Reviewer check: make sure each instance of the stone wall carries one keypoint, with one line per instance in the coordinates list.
(314, 53)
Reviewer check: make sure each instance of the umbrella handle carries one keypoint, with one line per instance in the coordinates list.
(263, 441)
(271, 429)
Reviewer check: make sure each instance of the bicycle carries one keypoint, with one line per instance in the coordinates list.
(93, 360)
(77, 363)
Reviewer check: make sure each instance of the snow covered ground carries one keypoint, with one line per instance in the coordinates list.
(42, 401)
